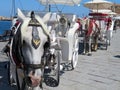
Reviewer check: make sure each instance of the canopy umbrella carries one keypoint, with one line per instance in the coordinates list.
(97, 14)
(105, 11)
(98, 4)
(117, 17)
(64, 2)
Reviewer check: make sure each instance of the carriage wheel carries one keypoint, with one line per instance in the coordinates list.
(74, 60)
(75, 53)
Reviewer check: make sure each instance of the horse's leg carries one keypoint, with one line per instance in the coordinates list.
(108, 37)
(20, 76)
(95, 43)
(89, 47)
(84, 45)
(111, 36)
(12, 73)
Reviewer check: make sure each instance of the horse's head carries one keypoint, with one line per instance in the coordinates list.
(32, 45)
(85, 23)
(90, 25)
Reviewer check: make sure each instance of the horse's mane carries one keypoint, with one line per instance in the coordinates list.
(25, 24)
(85, 21)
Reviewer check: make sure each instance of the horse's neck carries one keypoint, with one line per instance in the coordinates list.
(84, 24)
(112, 25)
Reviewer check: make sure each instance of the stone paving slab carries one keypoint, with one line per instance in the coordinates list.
(101, 71)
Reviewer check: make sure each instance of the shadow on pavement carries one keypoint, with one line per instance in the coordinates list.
(4, 85)
(117, 56)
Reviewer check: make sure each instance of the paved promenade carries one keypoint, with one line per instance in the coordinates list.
(101, 71)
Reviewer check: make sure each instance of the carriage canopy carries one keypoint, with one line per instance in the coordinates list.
(64, 2)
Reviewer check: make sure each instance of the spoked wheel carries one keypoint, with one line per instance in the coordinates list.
(52, 72)
(53, 77)
(75, 52)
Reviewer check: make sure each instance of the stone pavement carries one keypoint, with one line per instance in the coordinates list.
(101, 71)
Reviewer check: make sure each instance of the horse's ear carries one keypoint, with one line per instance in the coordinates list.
(20, 14)
(32, 15)
(46, 17)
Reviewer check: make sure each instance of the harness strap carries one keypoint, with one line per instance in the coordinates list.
(79, 25)
(90, 28)
(17, 80)
(33, 66)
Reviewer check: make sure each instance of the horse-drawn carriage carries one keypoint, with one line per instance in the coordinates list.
(104, 22)
(97, 33)
(64, 31)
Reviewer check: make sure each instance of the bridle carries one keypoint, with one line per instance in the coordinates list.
(20, 60)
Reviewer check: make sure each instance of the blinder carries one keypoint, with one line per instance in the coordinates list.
(35, 34)
(17, 52)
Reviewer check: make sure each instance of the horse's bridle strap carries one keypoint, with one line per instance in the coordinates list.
(34, 66)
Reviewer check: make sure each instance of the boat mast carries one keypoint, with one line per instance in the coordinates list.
(13, 9)
(48, 6)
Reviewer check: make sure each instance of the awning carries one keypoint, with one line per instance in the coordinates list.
(98, 14)
(64, 2)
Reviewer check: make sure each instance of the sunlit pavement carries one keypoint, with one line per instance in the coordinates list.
(101, 71)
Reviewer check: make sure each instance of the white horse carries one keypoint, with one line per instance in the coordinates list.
(28, 52)
(109, 32)
(91, 31)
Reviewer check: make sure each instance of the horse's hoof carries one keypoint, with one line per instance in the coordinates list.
(83, 53)
(89, 54)
(95, 50)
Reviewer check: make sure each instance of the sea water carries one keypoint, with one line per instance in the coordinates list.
(5, 25)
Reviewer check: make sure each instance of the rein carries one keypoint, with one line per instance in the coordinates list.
(18, 57)
(33, 66)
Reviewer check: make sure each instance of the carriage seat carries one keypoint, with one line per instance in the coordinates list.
(67, 21)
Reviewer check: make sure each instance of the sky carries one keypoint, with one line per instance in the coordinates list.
(6, 7)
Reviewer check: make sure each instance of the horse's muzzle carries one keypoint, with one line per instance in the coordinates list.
(33, 81)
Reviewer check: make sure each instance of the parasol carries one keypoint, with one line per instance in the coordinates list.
(64, 2)
(105, 11)
(98, 4)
